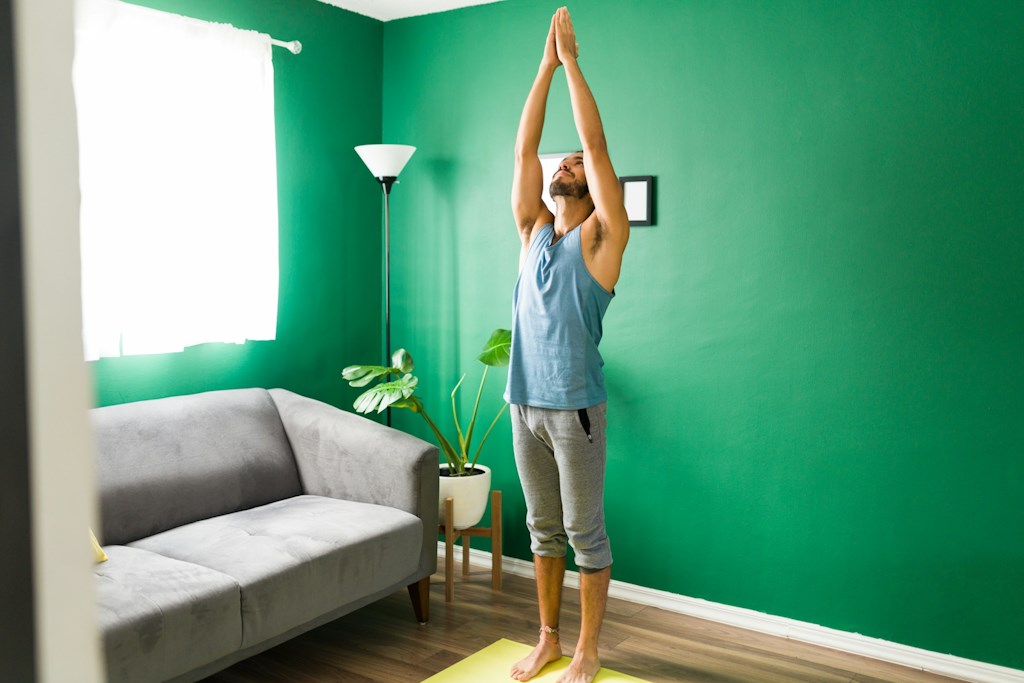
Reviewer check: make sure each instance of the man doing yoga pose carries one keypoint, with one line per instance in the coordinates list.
(569, 264)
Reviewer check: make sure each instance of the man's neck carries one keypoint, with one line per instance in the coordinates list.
(569, 213)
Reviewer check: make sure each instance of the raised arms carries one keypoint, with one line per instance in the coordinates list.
(605, 233)
(528, 207)
(605, 190)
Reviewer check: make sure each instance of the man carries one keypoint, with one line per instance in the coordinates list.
(569, 264)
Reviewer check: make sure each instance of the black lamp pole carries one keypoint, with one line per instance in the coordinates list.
(385, 163)
(385, 183)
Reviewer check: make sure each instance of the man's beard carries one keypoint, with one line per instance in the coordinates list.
(561, 188)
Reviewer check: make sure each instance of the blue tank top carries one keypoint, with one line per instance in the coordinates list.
(557, 309)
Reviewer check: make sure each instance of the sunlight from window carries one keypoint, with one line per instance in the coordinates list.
(179, 183)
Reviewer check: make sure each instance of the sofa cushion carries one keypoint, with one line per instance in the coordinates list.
(299, 558)
(160, 617)
(172, 461)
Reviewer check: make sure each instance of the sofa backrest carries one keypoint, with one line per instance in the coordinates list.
(171, 461)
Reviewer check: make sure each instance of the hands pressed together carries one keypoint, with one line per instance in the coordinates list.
(561, 46)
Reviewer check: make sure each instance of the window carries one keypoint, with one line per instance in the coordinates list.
(178, 179)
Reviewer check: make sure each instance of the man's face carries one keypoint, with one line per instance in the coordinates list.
(570, 180)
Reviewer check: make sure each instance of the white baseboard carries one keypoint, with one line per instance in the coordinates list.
(854, 643)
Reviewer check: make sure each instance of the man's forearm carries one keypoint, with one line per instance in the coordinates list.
(584, 109)
(531, 124)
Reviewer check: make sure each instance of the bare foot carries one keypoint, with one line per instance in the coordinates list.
(582, 669)
(542, 655)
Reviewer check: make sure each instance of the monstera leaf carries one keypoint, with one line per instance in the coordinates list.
(497, 349)
(361, 375)
(401, 361)
(400, 393)
(386, 393)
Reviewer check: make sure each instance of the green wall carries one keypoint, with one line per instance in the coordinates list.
(815, 358)
(327, 100)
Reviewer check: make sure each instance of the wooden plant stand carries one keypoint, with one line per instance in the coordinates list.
(451, 534)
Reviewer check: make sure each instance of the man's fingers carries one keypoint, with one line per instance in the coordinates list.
(551, 42)
(564, 27)
(565, 36)
(565, 21)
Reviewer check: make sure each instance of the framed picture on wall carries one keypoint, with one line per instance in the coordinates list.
(637, 191)
(638, 195)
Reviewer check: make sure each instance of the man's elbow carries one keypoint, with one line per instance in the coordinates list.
(595, 146)
(524, 153)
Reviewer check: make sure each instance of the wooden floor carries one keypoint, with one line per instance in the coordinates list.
(382, 643)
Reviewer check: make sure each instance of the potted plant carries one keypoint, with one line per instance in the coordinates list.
(460, 476)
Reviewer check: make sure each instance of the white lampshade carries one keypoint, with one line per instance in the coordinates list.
(385, 160)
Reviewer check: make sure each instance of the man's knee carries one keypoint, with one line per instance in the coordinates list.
(593, 550)
(547, 539)
(548, 547)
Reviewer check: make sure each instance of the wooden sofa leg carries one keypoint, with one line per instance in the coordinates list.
(496, 540)
(420, 594)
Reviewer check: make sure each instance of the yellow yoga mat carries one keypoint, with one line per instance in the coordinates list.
(492, 664)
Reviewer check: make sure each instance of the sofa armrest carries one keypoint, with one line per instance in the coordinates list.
(346, 456)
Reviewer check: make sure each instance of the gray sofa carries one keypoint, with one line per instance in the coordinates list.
(235, 520)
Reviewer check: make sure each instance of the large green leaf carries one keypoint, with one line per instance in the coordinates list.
(387, 393)
(497, 349)
(361, 375)
(402, 361)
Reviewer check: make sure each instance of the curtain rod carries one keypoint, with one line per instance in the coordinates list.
(294, 46)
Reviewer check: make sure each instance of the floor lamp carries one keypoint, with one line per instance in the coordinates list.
(385, 163)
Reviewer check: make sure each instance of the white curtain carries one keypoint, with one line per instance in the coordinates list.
(178, 178)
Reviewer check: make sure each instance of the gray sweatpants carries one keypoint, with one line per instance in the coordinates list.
(562, 473)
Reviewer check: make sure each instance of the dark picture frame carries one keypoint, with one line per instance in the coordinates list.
(638, 194)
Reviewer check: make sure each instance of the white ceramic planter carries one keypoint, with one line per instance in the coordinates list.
(469, 495)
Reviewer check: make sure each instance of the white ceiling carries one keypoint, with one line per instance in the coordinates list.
(386, 10)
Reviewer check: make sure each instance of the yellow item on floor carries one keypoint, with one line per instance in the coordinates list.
(97, 549)
(492, 664)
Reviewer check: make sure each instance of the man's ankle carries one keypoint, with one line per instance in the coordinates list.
(549, 634)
